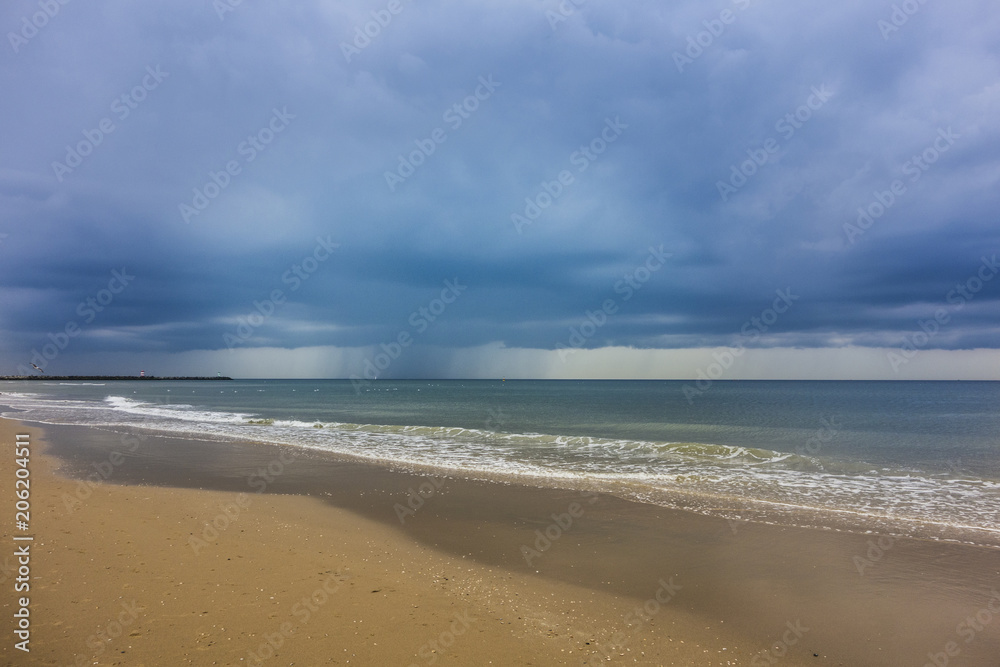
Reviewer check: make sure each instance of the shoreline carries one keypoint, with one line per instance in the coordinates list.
(289, 579)
(730, 589)
(884, 475)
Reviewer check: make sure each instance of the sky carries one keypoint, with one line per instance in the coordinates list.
(519, 188)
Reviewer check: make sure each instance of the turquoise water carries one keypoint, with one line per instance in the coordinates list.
(911, 458)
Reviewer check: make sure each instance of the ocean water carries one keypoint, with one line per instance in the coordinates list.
(919, 459)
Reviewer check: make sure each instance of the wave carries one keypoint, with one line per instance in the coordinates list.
(723, 480)
(681, 452)
(179, 411)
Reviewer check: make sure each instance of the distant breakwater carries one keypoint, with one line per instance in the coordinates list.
(104, 378)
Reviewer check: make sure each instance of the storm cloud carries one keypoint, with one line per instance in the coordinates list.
(299, 186)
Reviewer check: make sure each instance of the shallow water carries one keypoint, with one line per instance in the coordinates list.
(915, 459)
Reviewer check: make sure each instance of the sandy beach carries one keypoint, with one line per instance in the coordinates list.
(148, 547)
(286, 578)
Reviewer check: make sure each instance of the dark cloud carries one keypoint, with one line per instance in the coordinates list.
(259, 125)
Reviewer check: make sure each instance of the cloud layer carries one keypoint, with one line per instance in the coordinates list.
(616, 176)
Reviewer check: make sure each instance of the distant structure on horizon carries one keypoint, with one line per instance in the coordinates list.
(116, 378)
(142, 374)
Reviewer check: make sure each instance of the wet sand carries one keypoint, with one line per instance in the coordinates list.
(609, 581)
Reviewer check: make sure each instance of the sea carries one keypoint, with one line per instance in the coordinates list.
(910, 459)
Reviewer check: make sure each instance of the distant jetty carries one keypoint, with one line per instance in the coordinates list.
(106, 378)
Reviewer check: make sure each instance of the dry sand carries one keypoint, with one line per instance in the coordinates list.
(116, 581)
(320, 570)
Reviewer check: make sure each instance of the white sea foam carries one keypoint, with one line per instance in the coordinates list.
(710, 478)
